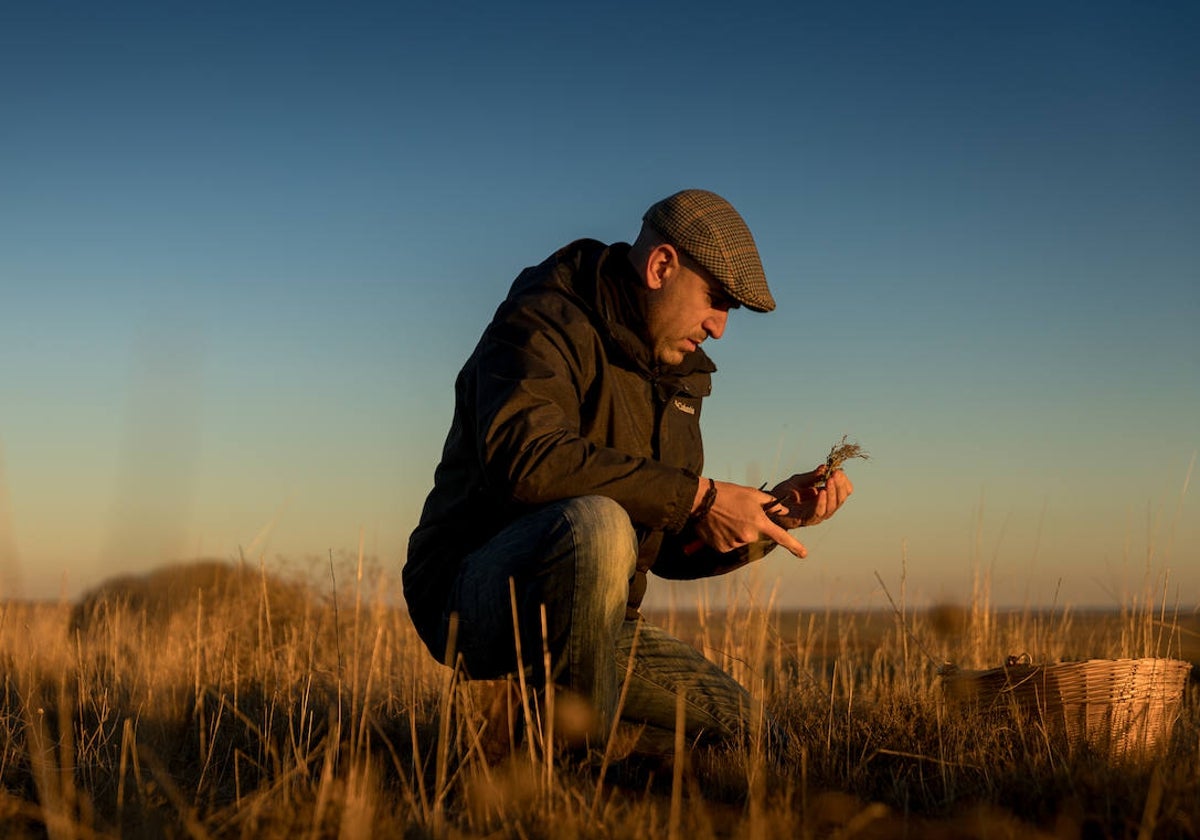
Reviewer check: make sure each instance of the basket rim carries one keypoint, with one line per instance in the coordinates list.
(950, 669)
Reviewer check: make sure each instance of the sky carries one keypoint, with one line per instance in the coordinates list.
(245, 247)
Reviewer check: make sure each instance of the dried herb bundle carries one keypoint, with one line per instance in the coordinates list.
(842, 452)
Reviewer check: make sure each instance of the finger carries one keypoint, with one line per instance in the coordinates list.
(786, 540)
(777, 513)
(798, 483)
(833, 497)
(766, 499)
(776, 506)
(842, 488)
(821, 508)
(783, 491)
(777, 502)
(810, 477)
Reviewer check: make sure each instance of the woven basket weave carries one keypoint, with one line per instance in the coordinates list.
(1120, 708)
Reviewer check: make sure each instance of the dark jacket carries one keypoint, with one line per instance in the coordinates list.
(562, 398)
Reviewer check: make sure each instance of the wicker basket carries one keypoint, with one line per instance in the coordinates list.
(1121, 708)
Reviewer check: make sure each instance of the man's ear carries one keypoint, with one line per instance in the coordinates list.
(661, 263)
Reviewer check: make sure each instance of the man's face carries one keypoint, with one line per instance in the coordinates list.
(687, 309)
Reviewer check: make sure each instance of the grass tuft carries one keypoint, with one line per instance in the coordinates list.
(227, 703)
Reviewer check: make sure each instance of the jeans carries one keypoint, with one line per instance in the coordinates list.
(575, 558)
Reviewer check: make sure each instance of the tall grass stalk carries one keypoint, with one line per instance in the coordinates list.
(269, 716)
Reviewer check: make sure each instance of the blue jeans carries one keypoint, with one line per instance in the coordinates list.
(576, 558)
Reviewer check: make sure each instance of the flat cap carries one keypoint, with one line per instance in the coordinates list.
(707, 228)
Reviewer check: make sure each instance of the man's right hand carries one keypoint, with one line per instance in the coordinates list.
(738, 518)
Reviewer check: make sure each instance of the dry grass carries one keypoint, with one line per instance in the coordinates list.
(242, 706)
(841, 452)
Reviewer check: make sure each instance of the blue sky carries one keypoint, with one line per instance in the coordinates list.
(245, 247)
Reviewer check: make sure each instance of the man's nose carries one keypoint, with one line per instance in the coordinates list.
(714, 324)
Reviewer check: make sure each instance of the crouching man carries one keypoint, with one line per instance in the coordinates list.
(574, 466)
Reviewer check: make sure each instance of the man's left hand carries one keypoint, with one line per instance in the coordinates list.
(802, 502)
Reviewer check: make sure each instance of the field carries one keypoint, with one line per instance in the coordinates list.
(216, 701)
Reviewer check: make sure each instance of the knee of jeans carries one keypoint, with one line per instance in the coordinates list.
(604, 534)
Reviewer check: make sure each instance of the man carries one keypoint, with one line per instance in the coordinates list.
(574, 466)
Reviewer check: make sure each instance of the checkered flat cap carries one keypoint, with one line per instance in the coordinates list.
(707, 228)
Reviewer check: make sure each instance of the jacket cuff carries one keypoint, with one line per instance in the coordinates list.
(685, 494)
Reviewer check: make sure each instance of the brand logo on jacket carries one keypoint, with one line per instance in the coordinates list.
(682, 406)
